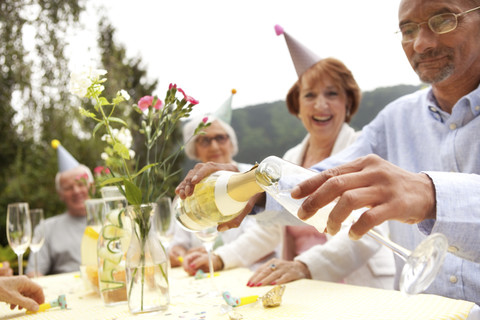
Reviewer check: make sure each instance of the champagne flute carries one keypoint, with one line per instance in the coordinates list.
(38, 237)
(208, 237)
(19, 230)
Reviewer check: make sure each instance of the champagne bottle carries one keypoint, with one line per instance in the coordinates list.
(223, 195)
(218, 198)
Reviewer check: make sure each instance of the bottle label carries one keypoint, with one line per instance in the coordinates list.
(226, 204)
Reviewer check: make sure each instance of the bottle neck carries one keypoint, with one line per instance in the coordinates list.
(242, 186)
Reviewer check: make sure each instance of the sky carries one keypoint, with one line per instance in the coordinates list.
(208, 47)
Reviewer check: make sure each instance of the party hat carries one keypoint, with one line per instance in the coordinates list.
(65, 160)
(302, 57)
(224, 112)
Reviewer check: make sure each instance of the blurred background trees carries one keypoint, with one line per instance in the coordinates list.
(33, 99)
(36, 106)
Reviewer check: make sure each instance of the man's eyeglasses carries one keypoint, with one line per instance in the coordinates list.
(440, 24)
(205, 141)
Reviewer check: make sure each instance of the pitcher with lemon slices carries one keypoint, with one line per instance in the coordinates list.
(89, 268)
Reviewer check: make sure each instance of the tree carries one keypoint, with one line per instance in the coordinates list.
(33, 96)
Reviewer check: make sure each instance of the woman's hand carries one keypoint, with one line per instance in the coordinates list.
(258, 199)
(197, 174)
(22, 292)
(198, 260)
(278, 271)
(176, 255)
(5, 269)
(390, 192)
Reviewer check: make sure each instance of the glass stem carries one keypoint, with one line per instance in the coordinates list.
(35, 257)
(397, 249)
(210, 266)
(20, 264)
(169, 264)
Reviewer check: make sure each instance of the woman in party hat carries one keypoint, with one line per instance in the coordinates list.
(324, 98)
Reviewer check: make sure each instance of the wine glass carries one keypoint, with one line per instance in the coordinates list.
(208, 237)
(278, 177)
(38, 237)
(421, 265)
(19, 230)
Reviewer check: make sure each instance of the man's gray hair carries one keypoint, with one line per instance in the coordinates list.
(85, 169)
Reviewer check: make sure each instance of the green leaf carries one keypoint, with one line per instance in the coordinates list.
(118, 120)
(103, 101)
(86, 113)
(117, 100)
(111, 181)
(132, 193)
(121, 150)
(98, 126)
(148, 166)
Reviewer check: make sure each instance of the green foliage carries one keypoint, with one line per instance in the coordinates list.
(7, 254)
(261, 131)
(374, 101)
(32, 102)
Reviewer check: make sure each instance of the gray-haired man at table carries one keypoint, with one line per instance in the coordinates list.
(63, 233)
(427, 169)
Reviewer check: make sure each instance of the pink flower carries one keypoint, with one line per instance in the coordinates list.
(98, 171)
(204, 120)
(147, 101)
(172, 85)
(191, 100)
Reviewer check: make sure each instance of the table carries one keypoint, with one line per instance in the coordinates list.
(303, 299)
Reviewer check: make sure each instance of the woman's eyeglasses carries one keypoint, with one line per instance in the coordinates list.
(205, 141)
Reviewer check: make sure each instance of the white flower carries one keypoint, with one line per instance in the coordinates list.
(132, 154)
(104, 156)
(124, 94)
(124, 136)
(82, 79)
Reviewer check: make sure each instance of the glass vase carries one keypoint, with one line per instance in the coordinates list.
(146, 263)
(113, 242)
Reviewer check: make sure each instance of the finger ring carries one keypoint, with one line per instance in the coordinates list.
(273, 267)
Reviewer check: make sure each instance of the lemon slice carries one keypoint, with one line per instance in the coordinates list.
(90, 232)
